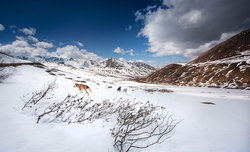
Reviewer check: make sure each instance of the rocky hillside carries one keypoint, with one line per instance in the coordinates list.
(225, 65)
(118, 68)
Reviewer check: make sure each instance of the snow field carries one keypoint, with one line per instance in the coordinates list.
(220, 127)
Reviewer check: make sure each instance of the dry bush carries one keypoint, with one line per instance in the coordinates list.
(80, 81)
(159, 90)
(208, 103)
(75, 109)
(3, 75)
(138, 125)
(61, 74)
(46, 93)
(141, 127)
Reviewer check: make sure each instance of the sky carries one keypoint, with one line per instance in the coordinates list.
(158, 32)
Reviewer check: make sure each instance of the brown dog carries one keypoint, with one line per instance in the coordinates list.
(82, 87)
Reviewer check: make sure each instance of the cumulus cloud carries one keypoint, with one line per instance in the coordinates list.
(139, 16)
(32, 38)
(79, 44)
(44, 45)
(28, 31)
(30, 46)
(122, 51)
(192, 27)
(2, 28)
(22, 48)
(20, 38)
(71, 51)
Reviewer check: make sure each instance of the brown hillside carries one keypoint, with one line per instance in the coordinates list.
(228, 68)
(228, 48)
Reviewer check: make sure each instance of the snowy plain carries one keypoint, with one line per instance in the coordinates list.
(203, 127)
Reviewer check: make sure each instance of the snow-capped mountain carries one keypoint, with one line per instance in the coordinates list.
(225, 65)
(119, 68)
(109, 67)
(6, 58)
(67, 61)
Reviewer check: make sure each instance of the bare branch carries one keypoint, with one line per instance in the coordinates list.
(45, 93)
(141, 127)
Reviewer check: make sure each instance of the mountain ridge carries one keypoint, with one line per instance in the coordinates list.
(224, 65)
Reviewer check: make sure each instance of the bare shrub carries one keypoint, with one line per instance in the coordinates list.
(158, 90)
(141, 127)
(46, 93)
(138, 125)
(211, 103)
(3, 75)
(75, 109)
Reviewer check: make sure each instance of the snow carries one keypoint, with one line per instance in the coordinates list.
(220, 127)
(241, 57)
(122, 69)
(7, 59)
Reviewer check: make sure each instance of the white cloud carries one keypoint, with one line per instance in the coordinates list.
(129, 28)
(79, 44)
(32, 38)
(25, 46)
(139, 60)
(2, 28)
(44, 44)
(122, 59)
(122, 51)
(22, 48)
(71, 51)
(190, 19)
(191, 27)
(28, 31)
(20, 38)
(139, 16)
(20, 43)
(61, 43)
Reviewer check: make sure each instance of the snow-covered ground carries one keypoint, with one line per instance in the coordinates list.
(204, 127)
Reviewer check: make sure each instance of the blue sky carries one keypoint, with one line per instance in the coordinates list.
(143, 26)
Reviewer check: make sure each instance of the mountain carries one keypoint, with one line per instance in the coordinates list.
(122, 69)
(78, 63)
(230, 48)
(119, 64)
(6, 58)
(225, 65)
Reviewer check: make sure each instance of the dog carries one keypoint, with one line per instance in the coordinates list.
(119, 89)
(125, 90)
(82, 87)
